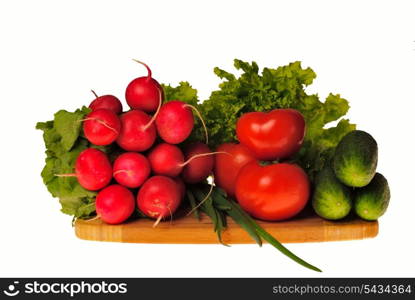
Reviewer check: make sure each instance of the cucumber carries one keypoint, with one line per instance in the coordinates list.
(331, 199)
(355, 159)
(371, 201)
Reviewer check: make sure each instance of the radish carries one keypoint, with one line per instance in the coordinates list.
(159, 197)
(101, 127)
(115, 204)
(199, 163)
(92, 169)
(181, 185)
(131, 169)
(106, 101)
(144, 93)
(138, 131)
(166, 159)
(175, 121)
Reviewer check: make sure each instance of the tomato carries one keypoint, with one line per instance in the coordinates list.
(273, 192)
(227, 165)
(274, 135)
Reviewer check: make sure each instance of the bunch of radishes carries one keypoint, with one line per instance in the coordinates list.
(158, 168)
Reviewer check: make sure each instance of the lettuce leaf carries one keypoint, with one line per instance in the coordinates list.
(63, 144)
(282, 87)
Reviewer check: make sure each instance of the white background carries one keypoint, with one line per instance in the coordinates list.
(53, 52)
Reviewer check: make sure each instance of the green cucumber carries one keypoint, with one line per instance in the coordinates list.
(331, 199)
(355, 159)
(371, 201)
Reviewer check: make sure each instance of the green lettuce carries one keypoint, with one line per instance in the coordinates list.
(282, 87)
(63, 142)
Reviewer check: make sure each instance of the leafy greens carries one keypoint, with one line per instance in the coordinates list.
(63, 145)
(283, 87)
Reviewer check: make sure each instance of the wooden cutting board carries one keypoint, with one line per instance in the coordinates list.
(188, 230)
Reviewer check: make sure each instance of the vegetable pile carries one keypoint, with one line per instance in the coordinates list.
(261, 138)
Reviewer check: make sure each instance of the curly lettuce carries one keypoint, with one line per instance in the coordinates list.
(282, 87)
(63, 142)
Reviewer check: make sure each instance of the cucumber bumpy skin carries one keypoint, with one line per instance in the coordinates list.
(331, 199)
(355, 159)
(371, 201)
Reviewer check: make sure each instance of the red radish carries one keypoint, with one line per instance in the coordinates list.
(138, 132)
(175, 121)
(159, 197)
(101, 127)
(166, 159)
(144, 93)
(92, 169)
(115, 204)
(181, 185)
(131, 169)
(200, 163)
(106, 101)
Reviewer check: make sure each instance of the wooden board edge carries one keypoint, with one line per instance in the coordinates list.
(330, 232)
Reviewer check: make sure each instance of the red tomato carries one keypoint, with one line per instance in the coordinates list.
(274, 135)
(274, 192)
(227, 166)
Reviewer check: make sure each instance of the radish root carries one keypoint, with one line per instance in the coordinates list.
(94, 218)
(129, 172)
(201, 119)
(204, 199)
(95, 94)
(171, 214)
(100, 122)
(66, 175)
(157, 221)
(145, 65)
(153, 119)
(201, 155)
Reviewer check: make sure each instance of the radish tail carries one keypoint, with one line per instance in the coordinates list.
(171, 214)
(129, 172)
(100, 122)
(202, 155)
(157, 221)
(147, 67)
(204, 199)
(66, 175)
(94, 218)
(153, 119)
(201, 119)
(95, 94)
